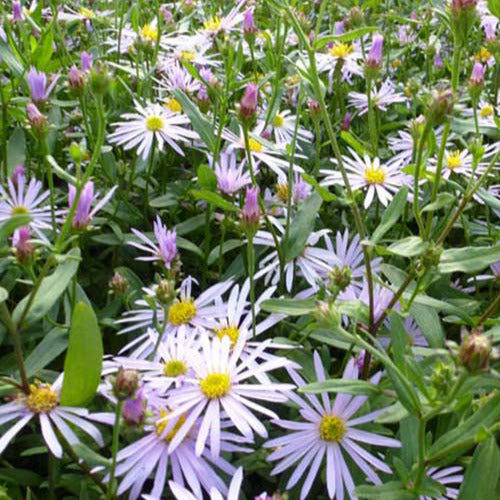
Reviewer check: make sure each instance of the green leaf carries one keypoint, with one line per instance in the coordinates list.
(45, 48)
(346, 386)
(393, 490)
(430, 325)
(20, 476)
(290, 307)
(16, 149)
(301, 227)
(401, 390)
(206, 178)
(83, 363)
(481, 476)
(4, 294)
(10, 225)
(226, 247)
(11, 60)
(391, 214)
(409, 247)
(443, 200)
(345, 37)
(189, 246)
(468, 259)
(215, 199)
(51, 346)
(455, 442)
(494, 7)
(198, 121)
(353, 142)
(51, 289)
(90, 456)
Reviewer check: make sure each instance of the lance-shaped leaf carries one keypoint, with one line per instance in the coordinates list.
(342, 385)
(468, 259)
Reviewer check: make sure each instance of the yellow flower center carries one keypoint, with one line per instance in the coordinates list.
(19, 210)
(187, 55)
(332, 428)
(149, 32)
(173, 105)
(483, 55)
(341, 50)
(86, 13)
(228, 331)
(454, 160)
(181, 312)
(41, 398)
(213, 24)
(278, 121)
(282, 191)
(154, 123)
(396, 63)
(174, 368)
(486, 110)
(374, 175)
(215, 385)
(254, 145)
(162, 424)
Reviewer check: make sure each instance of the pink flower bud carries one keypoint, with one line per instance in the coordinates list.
(249, 27)
(250, 215)
(248, 103)
(75, 78)
(477, 75)
(375, 56)
(23, 247)
(36, 119)
(18, 172)
(17, 11)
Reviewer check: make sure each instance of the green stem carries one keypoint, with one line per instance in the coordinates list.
(251, 272)
(114, 450)
(148, 175)
(50, 182)
(489, 310)
(421, 454)
(372, 126)
(416, 179)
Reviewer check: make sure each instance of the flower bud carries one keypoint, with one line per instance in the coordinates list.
(78, 152)
(314, 107)
(125, 384)
(340, 278)
(118, 284)
(248, 103)
(18, 172)
(249, 28)
(476, 81)
(346, 121)
(356, 17)
(75, 78)
(431, 256)
(168, 17)
(438, 61)
(439, 106)
(86, 61)
(374, 58)
(442, 378)
(250, 215)
(134, 409)
(99, 80)
(327, 314)
(37, 120)
(17, 11)
(475, 351)
(165, 291)
(22, 247)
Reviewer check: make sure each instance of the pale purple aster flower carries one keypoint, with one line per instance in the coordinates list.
(37, 82)
(382, 296)
(339, 27)
(151, 454)
(438, 61)
(382, 98)
(176, 77)
(326, 432)
(249, 27)
(84, 211)
(165, 250)
(134, 409)
(249, 101)
(17, 11)
(22, 244)
(230, 178)
(380, 179)
(374, 58)
(17, 200)
(446, 476)
(490, 24)
(86, 61)
(18, 172)
(301, 189)
(477, 75)
(233, 493)
(405, 35)
(43, 404)
(221, 385)
(215, 25)
(250, 213)
(208, 76)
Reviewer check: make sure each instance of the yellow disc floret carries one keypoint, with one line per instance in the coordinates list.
(278, 121)
(484, 55)
(42, 398)
(374, 175)
(19, 210)
(454, 160)
(173, 105)
(341, 50)
(181, 312)
(213, 24)
(282, 191)
(174, 368)
(215, 385)
(332, 428)
(228, 331)
(187, 55)
(486, 111)
(254, 145)
(86, 13)
(161, 425)
(154, 123)
(149, 33)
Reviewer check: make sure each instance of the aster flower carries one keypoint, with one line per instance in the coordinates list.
(153, 454)
(346, 54)
(175, 77)
(221, 385)
(382, 98)
(328, 431)
(22, 244)
(84, 211)
(446, 476)
(380, 179)
(230, 178)
(486, 113)
(18, 200)
(233, 493)
(84, 15)
(37, 83)
(215, 25)
(42, 403)
(152, 123)
(165, 250)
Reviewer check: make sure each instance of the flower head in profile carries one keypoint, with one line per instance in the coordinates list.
(325, 432)
(22, 244)
(382, 98)
(84, 211)
(37, 83)
(165, 248)
(230, 174)
(374, 58)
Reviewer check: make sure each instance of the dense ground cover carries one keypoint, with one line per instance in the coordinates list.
(249, 250)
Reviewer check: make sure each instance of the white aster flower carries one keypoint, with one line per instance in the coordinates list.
(382, 98)
(231, 177)
(347, 54)
(328, 431)
(152, 122)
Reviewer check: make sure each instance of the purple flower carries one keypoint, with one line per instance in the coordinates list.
(346, 121)
(490, 28)
(249, 27)
(167, 14)
(477, 75)
(339, 27)
(75, 78)
(23, 247)
(84, 213)
(375, 56)
(17, 11)
(301, 189)
(249, 101)
(37, 82)
(438, 61)
(230, 178)
(86, 60)
(251, 211)
(36, 119)
(134, 408)
(18, 172)
(208, 76)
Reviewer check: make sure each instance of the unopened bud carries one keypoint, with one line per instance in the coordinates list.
(327, 314)
(250, 214)
(37, 120)
(340, 278)
(99, 79)
(248, 103)
(125, 384)
(118, 284)
(475, 351)
(165, 291)
(440, 106)
(314, 107)
(76, 78)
